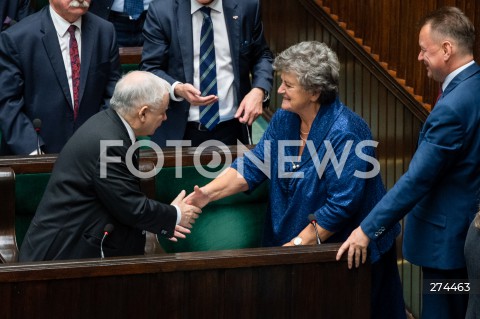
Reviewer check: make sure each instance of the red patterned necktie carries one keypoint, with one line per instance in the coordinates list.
(440, 92)
(75, 63)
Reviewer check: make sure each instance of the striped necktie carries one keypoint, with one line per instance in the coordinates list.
(209, 115)
(133, 8)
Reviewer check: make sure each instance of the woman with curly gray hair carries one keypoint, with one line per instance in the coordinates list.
(320, 159)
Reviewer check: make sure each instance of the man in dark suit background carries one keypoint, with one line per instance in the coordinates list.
(11, 11)
(439, 192)
(92, 186)
(128, 23)
(36, 75)
(244, 72)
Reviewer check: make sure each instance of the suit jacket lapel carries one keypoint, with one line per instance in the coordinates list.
(183, 20)
(462, 76)
(232, 21)
(87, 45)
(52, 47)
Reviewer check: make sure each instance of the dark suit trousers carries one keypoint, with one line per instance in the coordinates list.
(387, 293)
(227, 132)
(443, 305)
(129, 32)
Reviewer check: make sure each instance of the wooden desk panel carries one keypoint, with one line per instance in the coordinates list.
(279, 282)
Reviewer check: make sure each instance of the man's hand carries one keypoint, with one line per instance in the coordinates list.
(189, 212)
(251, 106)
(356, 245)
(193, 95)
(198, 197)
(179, 233)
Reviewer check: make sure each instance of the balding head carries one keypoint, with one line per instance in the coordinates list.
(139, 88)
(141, 98)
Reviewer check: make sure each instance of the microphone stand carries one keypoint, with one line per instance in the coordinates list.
(313, 221)
(314, 224)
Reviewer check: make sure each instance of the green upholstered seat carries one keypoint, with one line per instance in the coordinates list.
(128, 67)
(233, 222)
(29, 189)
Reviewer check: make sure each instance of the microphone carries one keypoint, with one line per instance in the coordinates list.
(37, 124)
(106, 231)
(313, 221)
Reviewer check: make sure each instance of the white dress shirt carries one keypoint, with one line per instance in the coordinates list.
(61, 26)
(223, 59)
(450, 77)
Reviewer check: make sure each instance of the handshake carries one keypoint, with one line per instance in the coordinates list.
(190, 208)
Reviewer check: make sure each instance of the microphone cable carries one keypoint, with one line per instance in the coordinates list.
(106, 231)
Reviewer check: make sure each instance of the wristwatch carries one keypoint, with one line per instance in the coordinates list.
(297, 241)
(266, 96)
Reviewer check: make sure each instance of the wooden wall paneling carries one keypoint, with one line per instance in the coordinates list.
(274, 284)
(205, 285)
(384, 148)
(357, 104)
(242, 299)
(342, 87)
(349, 79)
(390, 139)
(367, 103)
(399, 138)
(391, 31)
(393, 36)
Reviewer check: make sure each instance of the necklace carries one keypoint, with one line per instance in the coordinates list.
(304, 133)
(295, 166)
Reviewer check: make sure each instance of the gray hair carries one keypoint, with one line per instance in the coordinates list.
(138, 88)
(452, 23)
(316, 66)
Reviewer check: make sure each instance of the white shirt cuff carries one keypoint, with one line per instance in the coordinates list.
(172, 93)
(179, 214)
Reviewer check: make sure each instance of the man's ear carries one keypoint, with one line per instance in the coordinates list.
(142, 113)
(447, 48)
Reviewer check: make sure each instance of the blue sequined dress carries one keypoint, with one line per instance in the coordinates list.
(339, 202)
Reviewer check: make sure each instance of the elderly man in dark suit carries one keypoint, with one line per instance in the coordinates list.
(92, 186)
(236, 56)
(60, 66)
(11, 11)
(439, 192)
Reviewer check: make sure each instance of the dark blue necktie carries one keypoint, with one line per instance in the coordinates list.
(209, 115)
(133, 8)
